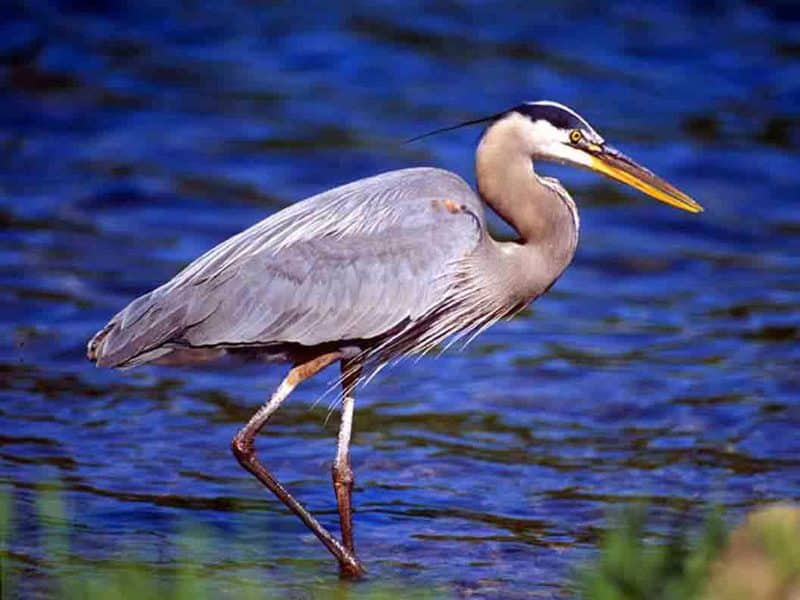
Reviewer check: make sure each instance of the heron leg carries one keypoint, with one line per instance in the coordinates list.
(243, 447)
(341, 471)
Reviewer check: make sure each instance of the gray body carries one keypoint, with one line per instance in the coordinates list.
(384, 266)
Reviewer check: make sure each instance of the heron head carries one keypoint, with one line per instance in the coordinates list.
(556, 133)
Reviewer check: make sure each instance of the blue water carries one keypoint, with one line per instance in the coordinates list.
(663, 365)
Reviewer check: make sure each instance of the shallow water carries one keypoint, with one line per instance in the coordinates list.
(663, 364)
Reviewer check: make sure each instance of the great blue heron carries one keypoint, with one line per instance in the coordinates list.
(394, 264)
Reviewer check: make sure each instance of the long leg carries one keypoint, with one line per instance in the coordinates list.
(341, 471)
(244, 449)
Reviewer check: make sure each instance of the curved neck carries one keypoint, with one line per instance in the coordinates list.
(507, 182)
(545, 219)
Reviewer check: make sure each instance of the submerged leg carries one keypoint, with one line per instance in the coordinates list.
(341, 471)
(244, 450)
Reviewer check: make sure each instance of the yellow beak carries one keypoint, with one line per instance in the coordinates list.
(617, 166)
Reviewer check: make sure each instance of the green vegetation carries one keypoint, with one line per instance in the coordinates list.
(629, 568)
(760, 560)
(183, 577)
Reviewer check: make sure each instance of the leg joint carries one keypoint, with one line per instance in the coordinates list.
(342, 474)
(243, 447)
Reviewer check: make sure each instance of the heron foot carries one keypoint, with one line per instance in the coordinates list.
(352, 571)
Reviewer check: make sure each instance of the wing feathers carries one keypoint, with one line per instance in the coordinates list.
(351, 263)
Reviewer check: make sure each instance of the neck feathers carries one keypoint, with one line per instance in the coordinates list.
(540, 210)
(536, 208)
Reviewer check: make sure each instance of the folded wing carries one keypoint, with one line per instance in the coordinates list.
(352, 263)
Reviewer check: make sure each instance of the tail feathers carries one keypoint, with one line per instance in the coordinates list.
(113, 346)
(116, 346)
(94, 349)
(123, 347)
(129, 339)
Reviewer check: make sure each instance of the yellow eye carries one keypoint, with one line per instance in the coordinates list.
(575, 136)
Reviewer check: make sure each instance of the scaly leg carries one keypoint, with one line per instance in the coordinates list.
(341, 471)
(244, 449)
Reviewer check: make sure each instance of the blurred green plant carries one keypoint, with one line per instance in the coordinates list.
(759, 561)
(630, 568)
(62, 575)
(5, 526)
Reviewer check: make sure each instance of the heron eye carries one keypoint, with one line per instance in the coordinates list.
(575, 136)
